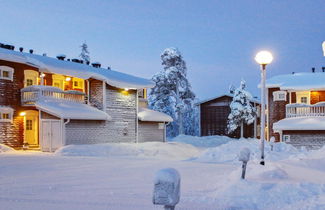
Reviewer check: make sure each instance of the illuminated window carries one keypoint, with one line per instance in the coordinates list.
(6, 114)
(303, 97)
(29, 125)
(58, 81)
(29, 82)
(6, 72)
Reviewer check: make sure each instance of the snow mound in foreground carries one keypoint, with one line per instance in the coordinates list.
(177, 151)
(206, 141)
(266, 187)
(229, 152)
(5, 148)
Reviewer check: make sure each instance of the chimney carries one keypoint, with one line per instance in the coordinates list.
(21, 49)
(108, 67)
(61, 57)
(96, 65)
(293, 72)
(44, 54)
(313, 69)
(31, 51)
(323, 68)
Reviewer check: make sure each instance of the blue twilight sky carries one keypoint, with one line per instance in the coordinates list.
(218, 38)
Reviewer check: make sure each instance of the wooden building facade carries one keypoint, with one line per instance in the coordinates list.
(214, 116)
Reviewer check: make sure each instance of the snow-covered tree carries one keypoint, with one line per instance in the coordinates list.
(172, 93)
(242, 110)
(84, 55)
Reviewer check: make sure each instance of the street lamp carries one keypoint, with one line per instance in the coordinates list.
(263, 58)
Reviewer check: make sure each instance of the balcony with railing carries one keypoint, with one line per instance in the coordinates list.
(31, 94)
(305, 110)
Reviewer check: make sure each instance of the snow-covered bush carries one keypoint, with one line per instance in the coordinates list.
(242, 110)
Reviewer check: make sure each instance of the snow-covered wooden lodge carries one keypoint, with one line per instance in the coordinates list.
(49, 102)
(296, 108)
(214, 114)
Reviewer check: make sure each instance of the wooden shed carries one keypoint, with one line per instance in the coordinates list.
(214, 116)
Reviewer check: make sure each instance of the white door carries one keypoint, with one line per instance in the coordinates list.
(51, 135)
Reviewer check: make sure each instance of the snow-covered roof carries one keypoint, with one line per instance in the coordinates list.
(229, 95)
(53, 65)
(71, 110)
(145, 114)
(298, 81)
(300, 123)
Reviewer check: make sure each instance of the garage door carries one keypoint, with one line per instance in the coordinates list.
(51, 135)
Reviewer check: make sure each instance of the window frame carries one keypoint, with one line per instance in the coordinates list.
(6, 111)
(10, 71)
(277, 94)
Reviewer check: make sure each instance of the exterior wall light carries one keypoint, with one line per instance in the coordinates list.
(42, 75)
(126, 89)
(68, 79)
(22, 114)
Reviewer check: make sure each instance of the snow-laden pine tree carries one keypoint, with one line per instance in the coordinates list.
(172, 93)
(242, 110)
(84, 55)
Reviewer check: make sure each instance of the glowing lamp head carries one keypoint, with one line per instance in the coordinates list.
(264, 57)
(68, 79)
(42, 75)
(126, 89)
(22, 114)
(323, 48)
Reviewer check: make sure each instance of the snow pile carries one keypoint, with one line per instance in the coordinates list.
(159, 150)
(228, 152)
(244, 155)
(267, 187)
(5, 148)
(207, 141)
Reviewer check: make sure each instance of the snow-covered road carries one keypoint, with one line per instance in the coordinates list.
(120, 176)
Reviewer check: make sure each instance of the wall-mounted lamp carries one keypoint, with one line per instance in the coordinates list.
(22, 114)
(42, 75)
(126, 89)
(68, 79)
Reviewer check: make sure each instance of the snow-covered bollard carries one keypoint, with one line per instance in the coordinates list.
(244, 157)
(167, 188)
(272, 141)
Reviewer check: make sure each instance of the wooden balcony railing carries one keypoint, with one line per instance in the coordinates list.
(32, 94)
(305, 110)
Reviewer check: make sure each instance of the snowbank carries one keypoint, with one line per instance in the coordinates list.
(5, 148)
(267, 187)
(177, 151)
(229, 152)
(206, 141)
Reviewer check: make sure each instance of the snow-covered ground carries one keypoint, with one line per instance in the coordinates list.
(121, 176)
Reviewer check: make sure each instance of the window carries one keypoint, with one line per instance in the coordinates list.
(279, 95)
(29, 125)
(29, 82)
(303, 100)
(58, 81)
(142, 93)
(6, 114)
(6, 72)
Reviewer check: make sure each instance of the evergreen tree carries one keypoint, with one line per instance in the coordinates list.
(84, 55)
(172, 93)
(242, 110)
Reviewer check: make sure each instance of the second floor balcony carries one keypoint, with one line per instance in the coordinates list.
(305, 110)
(32, 94)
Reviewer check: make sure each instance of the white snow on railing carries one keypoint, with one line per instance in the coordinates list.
(305, 110)
(32, 94)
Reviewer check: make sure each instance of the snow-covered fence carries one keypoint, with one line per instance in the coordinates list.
(305, 110)
(167, 188)
(244, 155)
(32, 94)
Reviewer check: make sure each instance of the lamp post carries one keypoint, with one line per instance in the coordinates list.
(263, 58)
